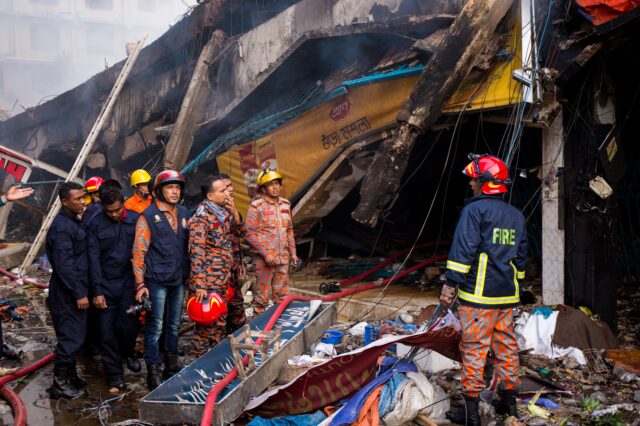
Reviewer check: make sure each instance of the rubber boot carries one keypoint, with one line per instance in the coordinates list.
(154, 377)
(73, 377)
(9, 353)
(507, 404)
(467, 415)
(171, 365)
(62, 387)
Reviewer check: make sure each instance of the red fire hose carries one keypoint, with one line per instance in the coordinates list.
(390, 259)
(19, 410)
(210, 403)
(25, 280)
(334, 287)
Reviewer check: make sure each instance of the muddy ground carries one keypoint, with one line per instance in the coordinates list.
(34, 336)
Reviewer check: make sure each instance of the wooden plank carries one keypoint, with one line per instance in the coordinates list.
(84, 152)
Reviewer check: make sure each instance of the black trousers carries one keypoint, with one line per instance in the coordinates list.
(118, 332)
(70, 325)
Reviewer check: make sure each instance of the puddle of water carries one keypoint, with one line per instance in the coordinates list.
(83, 411)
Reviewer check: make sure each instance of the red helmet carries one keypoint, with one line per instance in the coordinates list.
(208, 311)
(166, 177)
(490, 171)
(93, 184)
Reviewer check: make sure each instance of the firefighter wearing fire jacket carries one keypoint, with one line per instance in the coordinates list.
(269, 228)
(211, 253)
(486, 260)
(160, 268)
(141, 198)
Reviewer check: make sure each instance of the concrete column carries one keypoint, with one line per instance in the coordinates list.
(552, 214)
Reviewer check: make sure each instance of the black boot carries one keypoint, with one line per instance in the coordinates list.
(133, 364)
(62, 387)
(467, 415)
(154, 378)
(9, 353)
(507, 404)
(171, 365)
(73, 377)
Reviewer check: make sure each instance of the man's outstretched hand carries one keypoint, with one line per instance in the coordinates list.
(16, 193)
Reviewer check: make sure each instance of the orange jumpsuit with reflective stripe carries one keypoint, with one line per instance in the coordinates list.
(269, 227)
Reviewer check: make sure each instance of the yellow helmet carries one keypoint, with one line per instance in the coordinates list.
(267, 176)
(140, 176)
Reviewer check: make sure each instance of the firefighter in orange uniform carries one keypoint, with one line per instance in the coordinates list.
(141, 198)
(211, 231)
(486, 260)
(269, 232)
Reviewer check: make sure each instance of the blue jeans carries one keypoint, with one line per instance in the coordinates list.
(161, 296)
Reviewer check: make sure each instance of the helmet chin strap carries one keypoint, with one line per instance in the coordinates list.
(143, 194)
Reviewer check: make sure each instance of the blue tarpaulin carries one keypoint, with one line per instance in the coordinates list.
(351, 410)
(301, 420)
(389, 394)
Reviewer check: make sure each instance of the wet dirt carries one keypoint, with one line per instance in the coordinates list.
(100, 407)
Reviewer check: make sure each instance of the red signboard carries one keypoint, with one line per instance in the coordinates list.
(15, 164)
(340, 110)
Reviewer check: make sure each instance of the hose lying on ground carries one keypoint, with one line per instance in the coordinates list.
(24, 280)
(210, 403)
(18, 407)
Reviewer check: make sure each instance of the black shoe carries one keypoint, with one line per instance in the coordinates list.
(134, 365)
(507, 404)
(154, 378)
(116, 382)
(73, 377)
(9, 353)
(62, 387)
(171, 365)
(467, 415)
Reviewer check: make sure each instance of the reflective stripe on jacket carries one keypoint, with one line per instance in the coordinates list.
(488, 254)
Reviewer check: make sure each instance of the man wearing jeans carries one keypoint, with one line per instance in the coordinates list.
(160, 266)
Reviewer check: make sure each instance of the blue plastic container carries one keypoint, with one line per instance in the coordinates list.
(332, 337)
(370, 333)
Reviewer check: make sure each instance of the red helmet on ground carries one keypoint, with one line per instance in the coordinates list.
(93, 184)
(207, 311)
(490, 171)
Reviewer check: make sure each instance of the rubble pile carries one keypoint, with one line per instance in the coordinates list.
(560, 385)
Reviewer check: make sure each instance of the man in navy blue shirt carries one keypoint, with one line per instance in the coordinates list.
(68, 301)
(486, 260)
(110, 242)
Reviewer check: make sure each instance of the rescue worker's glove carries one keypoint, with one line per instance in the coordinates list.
(447, 293)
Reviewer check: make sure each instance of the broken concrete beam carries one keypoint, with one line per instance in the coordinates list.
(459, 51)
(193, 104)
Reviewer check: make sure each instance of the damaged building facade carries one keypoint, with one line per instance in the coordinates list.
(369, 108)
